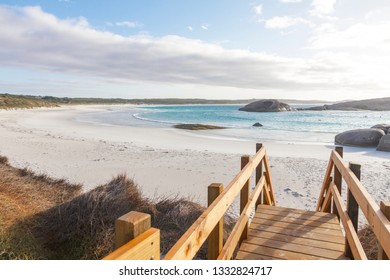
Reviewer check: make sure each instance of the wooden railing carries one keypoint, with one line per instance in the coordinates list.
(330, 200)
(209, 226)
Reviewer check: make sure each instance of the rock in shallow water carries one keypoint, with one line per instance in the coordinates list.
(383, 126)
(384, 144)
(267, 105)
(368, 137)
(257, 124)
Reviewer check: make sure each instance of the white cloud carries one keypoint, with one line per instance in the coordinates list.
(322, 7)
(35, 40)
(285, 22)
(291, 1)
(130, 24)
(204, 27)
(190, 28)
(258, 9)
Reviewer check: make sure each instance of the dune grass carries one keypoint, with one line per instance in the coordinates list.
(43, 218)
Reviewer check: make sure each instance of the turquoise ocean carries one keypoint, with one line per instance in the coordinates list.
(295, 126)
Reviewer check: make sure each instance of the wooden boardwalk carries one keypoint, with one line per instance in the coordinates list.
(289, 234)
(274, 232)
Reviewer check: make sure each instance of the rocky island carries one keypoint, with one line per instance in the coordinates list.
(377, 104)
(267, 105)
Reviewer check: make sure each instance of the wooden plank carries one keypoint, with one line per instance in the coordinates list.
(266, 192)
(244, 196)
(297, 248)
(297, 240)
(337, 178)
(325, 183)
(188, 245)
(299, 233)
(215, 239)
(242, 255)
(308, 228)
(352, 207)
(144, 247)
(297, 211)
(234, 238)
(327, 202)
(286, 215)
(313, 223)
(352, 237)
(259, 173)
(276, 253)
(385, 208)
(375, 217)
(129, 226)
(269, 181)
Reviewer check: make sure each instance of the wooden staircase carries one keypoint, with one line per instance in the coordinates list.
(265, 231)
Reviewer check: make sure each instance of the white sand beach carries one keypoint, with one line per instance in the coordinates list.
(166, 161)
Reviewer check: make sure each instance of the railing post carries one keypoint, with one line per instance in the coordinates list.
(259, 172)
(129, 226)
(385, 208)
(337, 180)
(244, 196)
(352, 207)
(215, 239)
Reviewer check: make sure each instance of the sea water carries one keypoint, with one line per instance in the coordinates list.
(294, 126)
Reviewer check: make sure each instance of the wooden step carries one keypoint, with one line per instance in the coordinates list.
(292, 234)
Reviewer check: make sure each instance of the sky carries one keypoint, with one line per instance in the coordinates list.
(219, 49)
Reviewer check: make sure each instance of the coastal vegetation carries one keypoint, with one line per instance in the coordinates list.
(45, 218)
(10, 101)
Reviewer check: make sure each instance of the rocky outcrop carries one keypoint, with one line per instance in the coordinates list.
(377, 104)
(383, 126)
(257, 124)
(384, 144)
(368, 137)
(266, 105)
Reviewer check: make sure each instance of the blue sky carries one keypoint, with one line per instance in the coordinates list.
(303, 49)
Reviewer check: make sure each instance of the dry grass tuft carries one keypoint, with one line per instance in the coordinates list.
(369, 242)
(43, 218)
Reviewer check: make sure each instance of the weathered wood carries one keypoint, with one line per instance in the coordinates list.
(301, 222)
(129, 226)
(269, 180)
(297, 240)
(305, 233)
(266, 193)
(288, 211)
(285, 225)
(327, 202)
(215, 239)
(259, 173)
(234, 238)
(352, 207)
(188, 245)
(244, 196)
(337, 179)
(325, 184)
(297, 248)
(385, 208)
(144, 247)
(375, 217)
(352, 237)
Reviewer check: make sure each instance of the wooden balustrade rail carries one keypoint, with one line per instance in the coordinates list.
(357, 198)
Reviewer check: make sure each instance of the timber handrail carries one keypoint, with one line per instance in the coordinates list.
(357, 198)
(210, 221)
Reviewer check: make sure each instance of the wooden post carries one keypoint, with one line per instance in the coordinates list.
(385, 208)
(244, 196)
(215, 239)
(337, 180)
(352, 207)
(259, 172)
(129, 226)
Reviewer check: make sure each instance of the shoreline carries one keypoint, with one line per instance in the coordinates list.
(165, 161)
